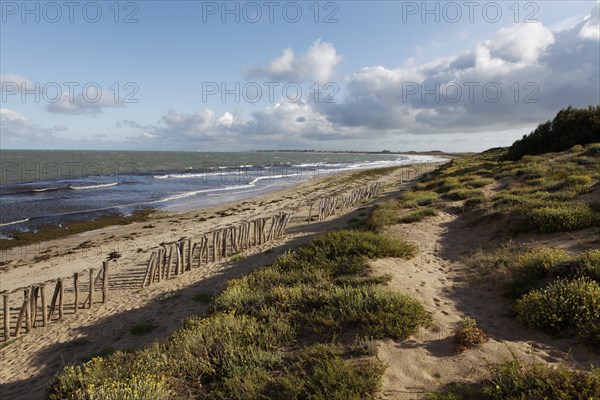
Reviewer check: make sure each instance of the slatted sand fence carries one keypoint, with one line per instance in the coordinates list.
(38, 305)
(27, 308)
(337, 204)
(333, 205)
(176, 258)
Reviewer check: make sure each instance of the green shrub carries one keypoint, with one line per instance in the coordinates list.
(536, 264)
(561, 218)
(450, 183)
(261, 339)
(583, 160)
(563, 305)
(577, 184)
(577, 180)
(517, 380)
(532, 267)
(479, 182)
(383, 214)
(337, 245)
(593, 150)
(463, 194)
(419, 198)
(474, 202)
(587, 264)
(321, 373)
(590, 261)
(515, 201)
(74, 384)
(418, 215)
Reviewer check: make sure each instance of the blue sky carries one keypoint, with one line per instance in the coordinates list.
(400, 75)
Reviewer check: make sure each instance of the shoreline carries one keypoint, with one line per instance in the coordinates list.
(35, 206)
(45, 256)
(36, 356)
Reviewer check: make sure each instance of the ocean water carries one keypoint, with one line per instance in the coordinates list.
(40, 188)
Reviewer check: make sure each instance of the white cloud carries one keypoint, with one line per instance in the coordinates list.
(181, 128)
(92, 103)
(591, 27)
(521, 43)
(14, 82)
(60, 99)
(316, 64)
(538, 71)
(17, 126)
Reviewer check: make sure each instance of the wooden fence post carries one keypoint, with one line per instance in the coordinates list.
(53, 301)
(104, 281)
(91, 295)
(190, 255)
(21, 316)
(147, 276)
(32, 305)
(27, 301)
(167, 259)
(61, 293)
(6, 317)
(43, 298)
(76, 288)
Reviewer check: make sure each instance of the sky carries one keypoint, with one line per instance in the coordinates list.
(325, 75)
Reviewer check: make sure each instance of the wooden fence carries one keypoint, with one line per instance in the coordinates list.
(331, 205)
(34, 311)
(169, 259)
(178, 257)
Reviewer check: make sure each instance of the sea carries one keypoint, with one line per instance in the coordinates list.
(42, 188)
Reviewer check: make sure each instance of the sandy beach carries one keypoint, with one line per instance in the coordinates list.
(437, 277)
(33, 359)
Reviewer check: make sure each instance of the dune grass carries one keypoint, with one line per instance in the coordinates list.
(284, 331)
(383, 214)
(418, 215)
(517, 380)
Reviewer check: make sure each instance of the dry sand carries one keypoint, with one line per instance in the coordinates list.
(29, 363)
(450, 290)
(437, 277)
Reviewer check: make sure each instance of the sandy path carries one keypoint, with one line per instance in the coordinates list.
(444, 286)
(27, 365)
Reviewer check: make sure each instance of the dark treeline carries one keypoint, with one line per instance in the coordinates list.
(571, 126)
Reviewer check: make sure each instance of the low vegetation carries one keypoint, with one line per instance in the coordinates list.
(563, 306)
(383, 214)
(467, 335)
(300, 328)
(418, 215)
(554, 290)
(518, 380)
